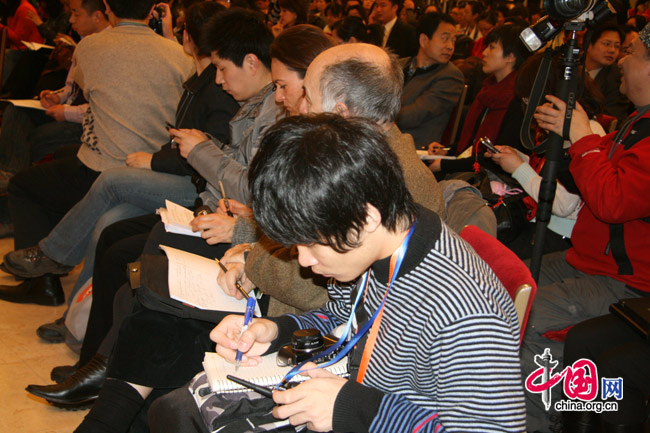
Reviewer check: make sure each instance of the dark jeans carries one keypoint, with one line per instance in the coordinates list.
(41, 195)
(618, 351)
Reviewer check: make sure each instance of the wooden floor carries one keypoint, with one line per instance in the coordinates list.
(25, 359)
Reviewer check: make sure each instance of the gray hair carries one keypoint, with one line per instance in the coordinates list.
(368, 89)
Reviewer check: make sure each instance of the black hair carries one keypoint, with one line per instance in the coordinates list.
(196, 17)
(477, 8)
(609, 26)
(298, 7)
(400, 5)
(489, 16)
(314, 175)
(131, 9)
(429, 23)
(334, 8)
(508, 36)
(353, 26)
(91, 6)
(360, 10)
(235, 33)
(297, 46)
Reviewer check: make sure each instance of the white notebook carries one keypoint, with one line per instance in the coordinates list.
(267, 374)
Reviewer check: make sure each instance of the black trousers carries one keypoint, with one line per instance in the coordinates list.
(120, 244)
(618, 351)
(41, 195)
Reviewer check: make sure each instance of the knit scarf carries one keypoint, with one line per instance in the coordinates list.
(493, 99)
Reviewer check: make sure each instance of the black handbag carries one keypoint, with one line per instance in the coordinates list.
(149, 280)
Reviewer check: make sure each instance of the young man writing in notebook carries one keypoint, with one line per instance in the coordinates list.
(444, 349)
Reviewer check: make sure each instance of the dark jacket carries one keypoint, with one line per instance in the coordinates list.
(203, 106)
(402, 40)
(616, 104)
(430, 95)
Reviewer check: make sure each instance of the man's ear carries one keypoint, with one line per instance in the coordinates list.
(341, 109)
(251, 62)
(511, 59)
(373, 219)
(423, 40)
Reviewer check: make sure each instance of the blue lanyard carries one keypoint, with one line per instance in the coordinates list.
(348, 326)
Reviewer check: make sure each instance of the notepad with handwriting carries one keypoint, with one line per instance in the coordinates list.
(268, 373)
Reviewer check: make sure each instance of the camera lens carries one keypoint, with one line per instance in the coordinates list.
(307, 340)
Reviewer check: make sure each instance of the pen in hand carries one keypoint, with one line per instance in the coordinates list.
(250, 309)
(225, 199)
(237, 283)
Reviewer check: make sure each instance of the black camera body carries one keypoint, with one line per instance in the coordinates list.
(156, 23)
(305, 344)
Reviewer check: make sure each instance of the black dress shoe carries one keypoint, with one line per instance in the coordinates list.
(43, 290)
(80, 388)
(52, 332)
(61, 373)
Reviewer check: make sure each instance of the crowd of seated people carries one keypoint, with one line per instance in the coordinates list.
(313, 141)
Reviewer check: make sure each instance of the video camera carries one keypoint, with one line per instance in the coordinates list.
(591, 12)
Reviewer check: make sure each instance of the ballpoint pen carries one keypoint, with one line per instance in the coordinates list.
(237, 283)
(250, 309)
(225, 199)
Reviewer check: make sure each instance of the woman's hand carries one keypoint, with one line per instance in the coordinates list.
(139, 160)
(507, 158)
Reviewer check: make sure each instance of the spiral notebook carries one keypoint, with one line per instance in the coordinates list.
(267, 374)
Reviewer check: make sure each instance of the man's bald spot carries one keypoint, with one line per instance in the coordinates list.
(363, 52)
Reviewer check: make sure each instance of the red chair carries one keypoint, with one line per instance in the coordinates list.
(511, 271)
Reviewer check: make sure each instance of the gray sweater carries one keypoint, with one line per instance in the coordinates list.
(132, 79)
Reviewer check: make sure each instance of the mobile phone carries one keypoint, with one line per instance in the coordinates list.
(485, 141)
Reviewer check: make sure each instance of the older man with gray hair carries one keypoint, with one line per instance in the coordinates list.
(359, 80)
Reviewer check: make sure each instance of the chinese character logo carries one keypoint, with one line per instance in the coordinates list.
(580, 379)
(612, 387)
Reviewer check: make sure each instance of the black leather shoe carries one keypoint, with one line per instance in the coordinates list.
(43, 290)
(52, 332)
(80, 388)
(61, 373)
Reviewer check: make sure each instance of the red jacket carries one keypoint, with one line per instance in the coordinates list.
(21, 28)
(615, 190)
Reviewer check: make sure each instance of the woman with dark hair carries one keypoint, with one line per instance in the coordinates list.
(292, 12)
(352, 29)
(291, 53)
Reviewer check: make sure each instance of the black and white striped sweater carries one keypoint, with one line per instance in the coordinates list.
(447, 353)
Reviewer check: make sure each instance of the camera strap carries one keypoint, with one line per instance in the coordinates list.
(395, 264)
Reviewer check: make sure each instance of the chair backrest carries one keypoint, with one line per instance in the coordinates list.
(511, 271)
(451, 131)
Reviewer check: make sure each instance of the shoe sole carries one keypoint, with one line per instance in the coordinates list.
(73, 407)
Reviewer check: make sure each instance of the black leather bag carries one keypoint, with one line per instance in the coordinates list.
(150, 282)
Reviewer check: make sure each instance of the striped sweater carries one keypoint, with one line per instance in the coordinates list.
(447, 353)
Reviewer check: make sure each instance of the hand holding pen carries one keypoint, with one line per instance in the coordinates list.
(225, 199)
(250, 309)
(238, 284)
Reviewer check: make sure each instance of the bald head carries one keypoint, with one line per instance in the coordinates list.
(354, 80)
